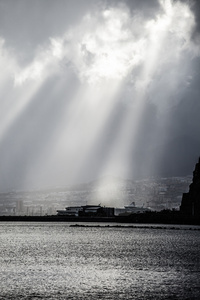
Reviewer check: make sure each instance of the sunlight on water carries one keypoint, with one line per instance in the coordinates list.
(55, 261)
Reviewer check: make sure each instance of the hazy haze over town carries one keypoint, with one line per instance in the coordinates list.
(91, 88)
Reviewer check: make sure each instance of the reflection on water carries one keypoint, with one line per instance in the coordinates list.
(56, 261)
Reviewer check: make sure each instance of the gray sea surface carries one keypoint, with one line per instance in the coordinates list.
(57, 261)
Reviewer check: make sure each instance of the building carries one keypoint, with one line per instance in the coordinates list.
(100, 211)
(87, 211)
(70, 211)
(130, 209)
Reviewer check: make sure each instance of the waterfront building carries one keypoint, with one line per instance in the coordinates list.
(70, 211)
(130, 209)
(98, 210)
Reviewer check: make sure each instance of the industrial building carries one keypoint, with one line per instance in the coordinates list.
(100, 211)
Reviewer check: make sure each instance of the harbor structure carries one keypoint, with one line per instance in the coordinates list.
(70, 211)
(130, 209)
(101, 211)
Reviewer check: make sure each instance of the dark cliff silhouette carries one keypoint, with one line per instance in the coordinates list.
(190, 204)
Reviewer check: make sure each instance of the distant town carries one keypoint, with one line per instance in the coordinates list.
(155, 194)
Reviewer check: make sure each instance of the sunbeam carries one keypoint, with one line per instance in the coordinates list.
(96, 98)
(157, 36)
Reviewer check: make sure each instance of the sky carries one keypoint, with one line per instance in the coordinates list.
(98, 88)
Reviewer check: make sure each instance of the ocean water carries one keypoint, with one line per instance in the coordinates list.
(56, 261)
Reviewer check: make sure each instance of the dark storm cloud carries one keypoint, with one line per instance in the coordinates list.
(58, 47)
(181, 150)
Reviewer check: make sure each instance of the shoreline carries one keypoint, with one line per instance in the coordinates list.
(168, 217)
(133, 226)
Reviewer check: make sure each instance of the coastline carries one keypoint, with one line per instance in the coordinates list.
(163, 217)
